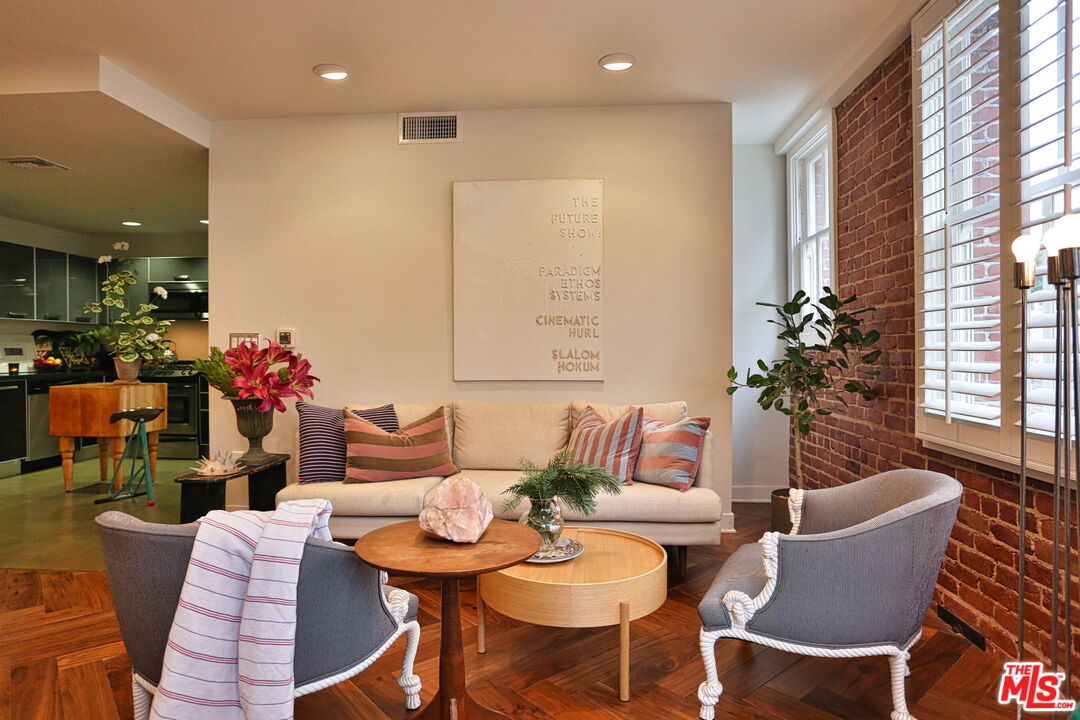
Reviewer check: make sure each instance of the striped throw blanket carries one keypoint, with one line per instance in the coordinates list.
(230, 649)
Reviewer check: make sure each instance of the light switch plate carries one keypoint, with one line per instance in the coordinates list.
(286, 337)
(239, 337)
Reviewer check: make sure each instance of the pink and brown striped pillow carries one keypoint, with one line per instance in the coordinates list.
(612, 446)
(671, 454)
(420, 449)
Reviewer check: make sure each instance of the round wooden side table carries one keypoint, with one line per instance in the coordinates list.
(620, 577)
(404, 549)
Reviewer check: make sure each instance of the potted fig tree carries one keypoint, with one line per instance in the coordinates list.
(828, 361)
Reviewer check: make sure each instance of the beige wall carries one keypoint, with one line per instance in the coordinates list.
(328, 226)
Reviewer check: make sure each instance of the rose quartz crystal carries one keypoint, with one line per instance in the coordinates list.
(457, 511)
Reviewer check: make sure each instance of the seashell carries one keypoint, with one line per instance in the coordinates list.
(219, 463)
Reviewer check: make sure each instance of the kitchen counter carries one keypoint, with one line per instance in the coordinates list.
(60, 375)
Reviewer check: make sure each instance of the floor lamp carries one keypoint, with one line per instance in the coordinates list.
(1063, 269)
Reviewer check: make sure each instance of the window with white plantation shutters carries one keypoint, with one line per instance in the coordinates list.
(1048, 146)
(957, 214)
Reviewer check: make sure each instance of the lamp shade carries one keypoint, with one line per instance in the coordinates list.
(1025, 248)
(1054, 239)
(1069, 228)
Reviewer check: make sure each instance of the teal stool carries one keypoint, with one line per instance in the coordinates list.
(137, 446)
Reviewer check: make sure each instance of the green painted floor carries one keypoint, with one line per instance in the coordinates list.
(44, 528)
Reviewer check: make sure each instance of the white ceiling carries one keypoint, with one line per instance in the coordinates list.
(253, 58)
(124, 166)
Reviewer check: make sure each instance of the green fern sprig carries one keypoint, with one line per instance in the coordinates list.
(576, 484)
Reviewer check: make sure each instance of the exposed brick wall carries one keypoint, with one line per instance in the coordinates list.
(876, 260)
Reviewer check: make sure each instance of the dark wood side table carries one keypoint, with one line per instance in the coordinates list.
(404, 549)
(199, 494)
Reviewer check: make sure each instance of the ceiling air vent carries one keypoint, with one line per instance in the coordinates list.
(33, 162)
(438, 127)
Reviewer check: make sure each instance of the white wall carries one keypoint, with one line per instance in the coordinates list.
(759, 439)
(328, 226)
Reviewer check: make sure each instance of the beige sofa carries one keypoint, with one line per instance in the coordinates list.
(488, 442)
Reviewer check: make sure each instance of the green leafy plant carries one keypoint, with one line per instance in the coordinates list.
(217, 372)
(82, 349)
(576, 484)
(134, 335)
(815, 379)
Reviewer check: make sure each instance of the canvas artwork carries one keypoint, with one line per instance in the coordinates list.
(528, 280)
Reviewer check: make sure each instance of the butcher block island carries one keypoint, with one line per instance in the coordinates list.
(84, 411)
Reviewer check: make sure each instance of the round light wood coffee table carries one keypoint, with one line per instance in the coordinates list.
(619, 577)
(404, 549)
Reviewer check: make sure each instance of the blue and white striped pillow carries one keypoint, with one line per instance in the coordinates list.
(322, 439)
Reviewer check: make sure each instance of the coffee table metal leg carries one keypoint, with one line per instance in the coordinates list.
(481, 622)
(624, 651)
(452, 701)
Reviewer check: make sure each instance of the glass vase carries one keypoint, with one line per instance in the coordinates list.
(545, 517)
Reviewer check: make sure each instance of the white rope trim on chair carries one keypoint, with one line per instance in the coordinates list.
(355, 669)
(397, 604)
(740, 606)
(709, 691)
(321, 684)
(795, 506)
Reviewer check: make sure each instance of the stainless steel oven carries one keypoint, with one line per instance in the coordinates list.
(184, 437)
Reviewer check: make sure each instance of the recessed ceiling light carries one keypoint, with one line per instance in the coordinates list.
(205, 222)
(131, 223)
(617, 62)
(330, 72)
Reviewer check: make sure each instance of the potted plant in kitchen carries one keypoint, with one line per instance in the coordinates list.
(813, 379)
(575, 484)
(135, 336)
(256, 381)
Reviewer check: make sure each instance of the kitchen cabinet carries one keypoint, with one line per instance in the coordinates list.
(13, 410)
(51, 284)
(179, 269)
(83, 284)
(16, 281)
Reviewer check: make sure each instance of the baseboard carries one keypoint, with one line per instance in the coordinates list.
(960, 627)
(751, 493)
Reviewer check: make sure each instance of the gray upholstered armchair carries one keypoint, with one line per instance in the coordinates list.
(854, 578)
(345, 616)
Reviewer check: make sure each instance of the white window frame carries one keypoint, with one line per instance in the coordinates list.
(994, 446)
(817, 138)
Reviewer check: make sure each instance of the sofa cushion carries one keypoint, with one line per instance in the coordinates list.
(402, 498)
(322, 439)
(669, 412)
(419, 449)
(613, 445)
(497, 436)
(636, 503)
(408, 413)
(670, 454)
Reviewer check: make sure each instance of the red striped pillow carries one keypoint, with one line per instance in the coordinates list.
(612, 446)
(670, 454)
(421, 449)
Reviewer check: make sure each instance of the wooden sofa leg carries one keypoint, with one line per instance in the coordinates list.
(681, 552)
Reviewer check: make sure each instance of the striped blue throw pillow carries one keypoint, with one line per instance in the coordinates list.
(322, 439)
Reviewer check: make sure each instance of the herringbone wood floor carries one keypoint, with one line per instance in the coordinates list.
(61, 657)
